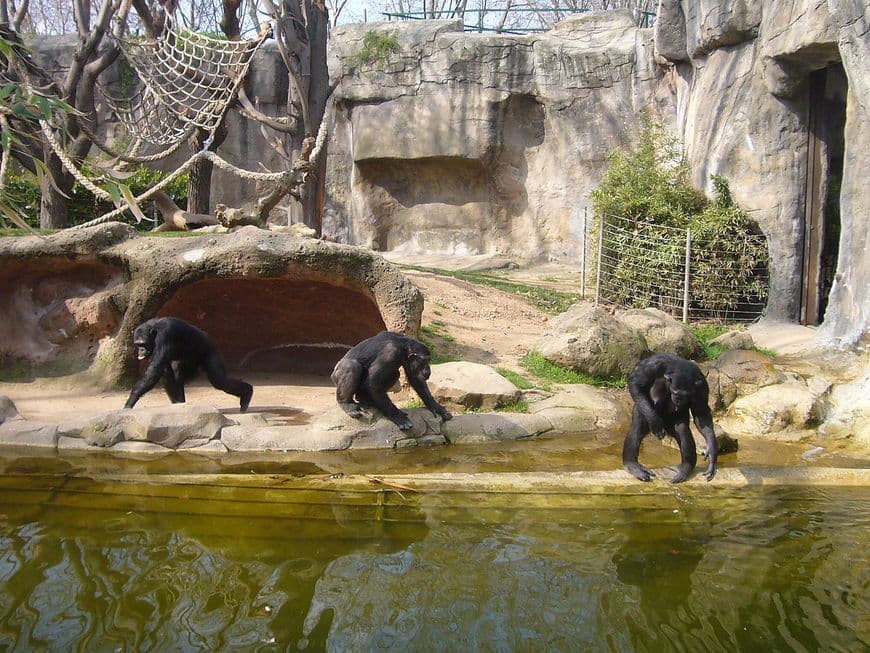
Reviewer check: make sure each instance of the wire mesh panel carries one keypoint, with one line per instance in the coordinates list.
(696, 276)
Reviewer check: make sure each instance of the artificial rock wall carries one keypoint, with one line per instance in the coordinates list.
(742, 72)
(466, 143)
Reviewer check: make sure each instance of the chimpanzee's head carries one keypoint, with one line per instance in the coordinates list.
(418, 361)
(143, 338)
(682, 387)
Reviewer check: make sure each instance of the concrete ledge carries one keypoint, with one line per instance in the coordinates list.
(581, 482)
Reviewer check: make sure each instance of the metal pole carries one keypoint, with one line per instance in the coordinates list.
(583, 258)
(600, 251)
(686, 277)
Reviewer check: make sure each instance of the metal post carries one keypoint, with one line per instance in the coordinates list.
(583, 258)
(686, 277)
(600, 251)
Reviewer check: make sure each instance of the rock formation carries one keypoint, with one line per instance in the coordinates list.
(271, 301)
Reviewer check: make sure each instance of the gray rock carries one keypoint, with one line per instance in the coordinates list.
(848, 411)
(584, 409)
(8, 411)
(784, 411)
(23, 432)
(734, 340)
(471, 385)
(176, 426)
(473, 428)
(587, 338)
(738, 372)
(662, 333)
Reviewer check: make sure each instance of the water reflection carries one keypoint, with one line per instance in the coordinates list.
(96, 567)
(765, 572)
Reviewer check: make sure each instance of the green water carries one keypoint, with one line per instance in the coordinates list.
(290, 564)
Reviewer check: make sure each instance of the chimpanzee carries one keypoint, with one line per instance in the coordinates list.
(370, 368)
(665, 388)
(177, 351)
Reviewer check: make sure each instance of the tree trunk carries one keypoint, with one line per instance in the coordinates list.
(199, 184)
(53, 205)
(318, 93)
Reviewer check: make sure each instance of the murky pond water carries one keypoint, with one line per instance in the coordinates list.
(294, 564)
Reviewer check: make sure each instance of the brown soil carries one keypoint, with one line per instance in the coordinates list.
(462, 321)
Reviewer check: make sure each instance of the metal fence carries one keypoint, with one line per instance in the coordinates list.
(639, 264)
(492, 20)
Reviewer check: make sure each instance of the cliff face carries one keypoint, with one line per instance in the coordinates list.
(464, 143)
(775, 96)
(461, 143)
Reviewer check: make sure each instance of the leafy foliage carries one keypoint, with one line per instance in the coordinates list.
(376, 48)
(649, 189)
(23, 188)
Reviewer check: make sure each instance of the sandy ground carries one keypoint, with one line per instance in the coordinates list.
(483, 325)
(462, 321)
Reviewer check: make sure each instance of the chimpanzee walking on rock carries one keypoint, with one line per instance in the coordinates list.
(177, 350)
(369, 369)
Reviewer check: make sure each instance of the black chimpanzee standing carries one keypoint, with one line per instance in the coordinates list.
(177, 351)
(665, 388)
(365, 373)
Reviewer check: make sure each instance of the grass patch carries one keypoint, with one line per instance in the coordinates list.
(436, 330)
(535, 363)
(518, 380)
(414, 403)
(519, 406)
(707, 332)
(438, 340)
(549, 301)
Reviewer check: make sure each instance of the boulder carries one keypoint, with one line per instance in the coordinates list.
(738, 372)
(22, 432)
(848, 411)
(8, 410)
(584, 409)
(177, 426)
(783, 410)
(471, 386)
(662, 333)
(475, 428)
(587, 338)
(734, 340)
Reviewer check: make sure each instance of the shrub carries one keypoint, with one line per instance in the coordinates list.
(376, 48)
(82, 205)
(649, 194)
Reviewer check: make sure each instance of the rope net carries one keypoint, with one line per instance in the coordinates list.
(184, 80)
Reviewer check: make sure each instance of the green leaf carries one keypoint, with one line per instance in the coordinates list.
(131, 202)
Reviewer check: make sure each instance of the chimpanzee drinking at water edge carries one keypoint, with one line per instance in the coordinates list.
(177, 350)
(365, 373)
(665, 388)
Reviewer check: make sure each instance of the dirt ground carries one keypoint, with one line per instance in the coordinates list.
(462, 320)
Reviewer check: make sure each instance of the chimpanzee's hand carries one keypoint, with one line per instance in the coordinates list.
(403, 421)
(443, 413)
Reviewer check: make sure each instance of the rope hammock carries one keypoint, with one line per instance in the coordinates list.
(185, 80)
